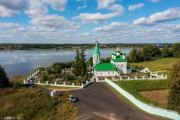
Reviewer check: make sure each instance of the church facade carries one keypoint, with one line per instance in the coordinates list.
(116, 67)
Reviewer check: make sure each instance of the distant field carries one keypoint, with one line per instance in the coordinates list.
(158, 65)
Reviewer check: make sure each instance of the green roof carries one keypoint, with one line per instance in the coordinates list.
(96, 50)
(105, 67)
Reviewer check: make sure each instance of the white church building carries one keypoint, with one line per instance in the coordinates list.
(116, 67)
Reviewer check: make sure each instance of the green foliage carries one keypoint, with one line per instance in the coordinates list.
(80, 63)
(174, 85)
(133, 87)
(4, 80)
(147, 53)
(33, 104)
(176, 50)
(133, 55)
(151, 51)
(90, 62)
(76, 64)
(83, 67)
(165, 52)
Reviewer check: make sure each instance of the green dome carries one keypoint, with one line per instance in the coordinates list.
(96, 50)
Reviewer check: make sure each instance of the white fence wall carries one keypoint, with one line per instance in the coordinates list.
(150, 109)
(141, 78)
(66, 85)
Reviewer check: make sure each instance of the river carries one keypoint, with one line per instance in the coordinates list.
(23, 62)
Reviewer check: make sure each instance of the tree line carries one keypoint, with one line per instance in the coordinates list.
(150, 52)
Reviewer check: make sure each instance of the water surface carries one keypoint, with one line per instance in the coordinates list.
(23, 62)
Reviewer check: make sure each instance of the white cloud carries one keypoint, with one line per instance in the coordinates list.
(136, 6)
(167, 15)
(53, 22)
(40, 18)
(36, 8)
(102, 4)
(57, 4)
(113, 26)
(154, 1)
(118, 32)
(81, 7)
(12, 7)
(98, 17)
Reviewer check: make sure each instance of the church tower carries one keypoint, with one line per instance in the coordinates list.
(96, 55)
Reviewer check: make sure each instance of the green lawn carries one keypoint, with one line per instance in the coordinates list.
(134, 87)
(158, 65)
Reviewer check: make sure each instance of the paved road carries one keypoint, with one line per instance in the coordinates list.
(98, 102)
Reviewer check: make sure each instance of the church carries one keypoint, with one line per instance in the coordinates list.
(116, 67)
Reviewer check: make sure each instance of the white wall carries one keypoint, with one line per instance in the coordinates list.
(96, 60)
(122, 66)
(105, 73)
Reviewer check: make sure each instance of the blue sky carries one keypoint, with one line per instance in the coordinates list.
(84, 21)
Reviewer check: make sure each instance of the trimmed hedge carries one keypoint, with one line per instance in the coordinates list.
(142, 85)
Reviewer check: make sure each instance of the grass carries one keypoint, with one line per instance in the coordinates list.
(158, 65)
(32, 103)
(134, 87)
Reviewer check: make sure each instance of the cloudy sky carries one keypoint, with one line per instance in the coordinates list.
(84, 21)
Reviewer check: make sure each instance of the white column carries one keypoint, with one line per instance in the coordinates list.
(55, 83)
(38, 81)
(72, 84)
(24, 81)
(166, 76)
(128, 78)
(143, 77)
(64, 83)
(47, 82)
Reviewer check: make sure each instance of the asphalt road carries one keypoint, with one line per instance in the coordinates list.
(98, 102)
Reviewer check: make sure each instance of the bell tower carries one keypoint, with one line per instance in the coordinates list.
(96, 55)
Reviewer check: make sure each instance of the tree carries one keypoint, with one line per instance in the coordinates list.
(165, 52)
(176, 49)
(90, 62)
(151, 51)
(133, 55)
(82, 64)
(174, 85)
(4, 80)
(76, 64)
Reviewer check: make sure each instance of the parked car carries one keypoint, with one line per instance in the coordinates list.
(73, 99)
(70, 98)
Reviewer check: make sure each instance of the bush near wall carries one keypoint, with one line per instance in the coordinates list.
(133, 87)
